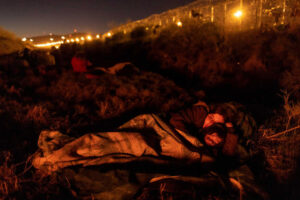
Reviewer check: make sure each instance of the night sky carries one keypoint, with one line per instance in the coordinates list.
(40, 17)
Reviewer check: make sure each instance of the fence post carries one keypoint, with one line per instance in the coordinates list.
(283, 11)
(211, 11)
(225, 15)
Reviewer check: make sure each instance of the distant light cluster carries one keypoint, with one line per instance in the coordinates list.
(49, 44)
(63, 39)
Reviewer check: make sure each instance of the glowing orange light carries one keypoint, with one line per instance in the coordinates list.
(49, 44)
(24, 39)
(89, 37)
(179, 24)
(238, 14)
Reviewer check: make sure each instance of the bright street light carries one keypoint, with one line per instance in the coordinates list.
(179, 24)
(24, 39)
(238, 14)
(89, 37)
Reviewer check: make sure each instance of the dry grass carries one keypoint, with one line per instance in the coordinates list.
(201, 57)
(282, 154)
(281, 148)
(9, 182)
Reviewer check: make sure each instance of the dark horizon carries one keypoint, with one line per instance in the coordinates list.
(41, 17)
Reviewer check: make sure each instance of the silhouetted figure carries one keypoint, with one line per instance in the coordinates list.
(156, 29)
(80, 63)
(26, 54)
(57, 56)
(276, 14)
(196, 14)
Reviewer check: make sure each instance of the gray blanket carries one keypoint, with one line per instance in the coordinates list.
(142, 138)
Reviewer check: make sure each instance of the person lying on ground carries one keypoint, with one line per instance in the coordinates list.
(144, 137)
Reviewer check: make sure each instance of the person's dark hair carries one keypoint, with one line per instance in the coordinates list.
(219, 128)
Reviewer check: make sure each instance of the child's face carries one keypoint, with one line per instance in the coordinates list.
(213, 139)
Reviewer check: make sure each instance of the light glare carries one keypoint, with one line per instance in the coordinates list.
(238, 14)
(179, 24)
(49, 44)
(89, 37)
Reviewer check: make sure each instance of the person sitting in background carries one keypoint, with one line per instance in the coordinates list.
(80, 63)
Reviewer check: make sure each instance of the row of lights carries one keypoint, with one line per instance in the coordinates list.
(89, 37)
(237, 14)
(64, 40)
(72, 40)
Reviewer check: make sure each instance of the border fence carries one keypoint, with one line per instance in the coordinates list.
(232, 15)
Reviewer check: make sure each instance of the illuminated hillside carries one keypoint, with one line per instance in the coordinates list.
(9, 43)
(252, 14)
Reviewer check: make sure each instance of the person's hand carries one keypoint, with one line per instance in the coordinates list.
(228, 124)
(230, 127)
(213, 118)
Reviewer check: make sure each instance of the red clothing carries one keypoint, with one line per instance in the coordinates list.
(80, 64)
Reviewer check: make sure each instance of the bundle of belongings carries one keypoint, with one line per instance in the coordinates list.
(191, 154)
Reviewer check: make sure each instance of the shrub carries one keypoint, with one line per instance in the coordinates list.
(138, 32)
